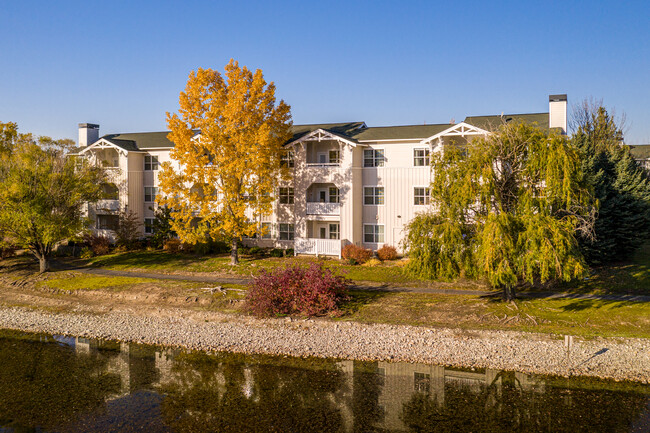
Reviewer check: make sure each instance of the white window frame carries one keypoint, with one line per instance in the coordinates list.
(378, 158)
(374, 195)
(153, 193)
(336, 197)
(287, 198)
(148, 226)
(152, 162)
(426, 198)
(425, 158)
(336, 232)
(337, 156)
(288, 159)
(269, 232)
(375, 234)
(289, 232)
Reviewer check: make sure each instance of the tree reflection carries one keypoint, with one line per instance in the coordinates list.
(221, 393)
(46, 385)
(510, 408)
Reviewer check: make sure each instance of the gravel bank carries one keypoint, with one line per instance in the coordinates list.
(619, 359)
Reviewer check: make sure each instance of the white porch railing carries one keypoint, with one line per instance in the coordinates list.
(323, 164)
(318, 247)
(108, 205)
(314, 208)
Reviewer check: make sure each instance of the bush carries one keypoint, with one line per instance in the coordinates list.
(256, 251)
(7, 251)
(289, 252)
(387, 252)
(295, 290)
(357, 254)
(99, 245)
(276, 252)
(372, 262)
(172, 245)
(86, 253)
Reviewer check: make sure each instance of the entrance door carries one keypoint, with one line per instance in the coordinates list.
(323, 233)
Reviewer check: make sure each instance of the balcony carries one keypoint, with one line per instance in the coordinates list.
(318, 247)
(108, 205)
(323, 164)
(314, 208)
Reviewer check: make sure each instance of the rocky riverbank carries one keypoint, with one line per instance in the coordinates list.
(611, 358)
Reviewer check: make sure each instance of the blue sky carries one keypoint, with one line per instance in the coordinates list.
(122, 64)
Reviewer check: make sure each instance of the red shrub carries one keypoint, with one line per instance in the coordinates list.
(357, 254)
(172, 245)
(294, 290)
(387, 253)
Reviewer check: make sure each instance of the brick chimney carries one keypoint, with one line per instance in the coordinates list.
(557, 111)
(88, 134)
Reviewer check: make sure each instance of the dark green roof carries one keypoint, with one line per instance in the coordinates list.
(345, 129)
(640, 151)
(406, 132)
(490, 123)
(140, 140)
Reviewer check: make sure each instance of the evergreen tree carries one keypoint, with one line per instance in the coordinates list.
(507, 209)
(619, 183)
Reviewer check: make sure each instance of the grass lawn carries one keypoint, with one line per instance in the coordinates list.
(160, 261)
(588, 318)
(91, 282)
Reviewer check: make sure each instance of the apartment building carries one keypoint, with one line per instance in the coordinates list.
(351, 183)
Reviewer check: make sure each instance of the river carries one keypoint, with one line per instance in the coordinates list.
(63, 384)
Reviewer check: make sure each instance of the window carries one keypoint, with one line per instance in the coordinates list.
(106, 222)
(373, 158)
(148, 226)
(110, 191)
(373, 233)
(287, 159)
(421, 157)
(335, 231)
(421, 382)
(286, 232)
(334, 195)
(286, 195)
(150, 162)
(335, 156)
(373, 195)
(421, 196)
(150, 193)
(266, 231)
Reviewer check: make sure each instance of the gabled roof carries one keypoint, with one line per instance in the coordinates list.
(407, 132)
(490, 123)
(344, 130)
(640, 151)
(140, 140)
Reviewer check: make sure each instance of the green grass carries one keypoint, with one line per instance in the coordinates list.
(588, 318)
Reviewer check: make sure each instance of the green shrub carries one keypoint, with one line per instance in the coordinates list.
(276, 252)
(289, 252)
(256, 251)
(359, 254)
(172, 245)
(86, 253)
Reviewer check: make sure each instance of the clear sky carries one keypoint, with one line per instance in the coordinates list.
(122, 63)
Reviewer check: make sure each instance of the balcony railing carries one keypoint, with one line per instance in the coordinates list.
(317, 208)
(108, 205)
(318, 247)
(323, 164)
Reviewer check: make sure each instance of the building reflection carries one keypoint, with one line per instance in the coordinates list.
(229, 392)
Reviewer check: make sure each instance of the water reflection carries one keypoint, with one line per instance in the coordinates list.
(61, 384)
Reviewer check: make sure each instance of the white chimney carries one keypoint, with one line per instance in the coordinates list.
(557, 106)
(88, 134)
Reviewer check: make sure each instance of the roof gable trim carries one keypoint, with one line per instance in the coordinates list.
(461, 129)
(322, 134)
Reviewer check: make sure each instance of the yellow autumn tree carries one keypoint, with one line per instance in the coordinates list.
(228, 137)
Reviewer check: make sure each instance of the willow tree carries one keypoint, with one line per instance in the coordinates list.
(226, 175)
(508, 208)
(42, 192)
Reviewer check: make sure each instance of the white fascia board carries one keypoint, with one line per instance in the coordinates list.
(451, 131)
(323, 135)
(103, 144)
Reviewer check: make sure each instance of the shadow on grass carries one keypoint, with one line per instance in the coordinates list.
(588, 304)
(359, 298)
(150, 259)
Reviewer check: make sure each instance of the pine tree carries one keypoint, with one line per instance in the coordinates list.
(619, 183)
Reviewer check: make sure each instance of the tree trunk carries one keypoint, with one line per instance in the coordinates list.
(44, 264)
(234, 257)
(509, 293)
